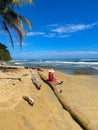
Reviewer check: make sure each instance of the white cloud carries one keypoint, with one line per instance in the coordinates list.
(50, 35)
(64, 36)
(35, 33)
(61, 31)
(73, 28)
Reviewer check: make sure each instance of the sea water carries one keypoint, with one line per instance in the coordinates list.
(70, 66)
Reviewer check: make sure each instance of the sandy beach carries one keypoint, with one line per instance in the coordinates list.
(47, 113)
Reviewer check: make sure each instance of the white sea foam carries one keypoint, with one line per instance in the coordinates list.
(70, 62)
(95, 68)
(17, 63)
(59, 63)
(68, 65)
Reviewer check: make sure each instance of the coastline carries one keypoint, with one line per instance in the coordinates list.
(47, 113)
(68, 66)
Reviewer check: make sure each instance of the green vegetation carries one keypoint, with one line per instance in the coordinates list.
(4, 53)
(12, 21)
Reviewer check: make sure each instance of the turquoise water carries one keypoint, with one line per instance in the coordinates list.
(70, 66)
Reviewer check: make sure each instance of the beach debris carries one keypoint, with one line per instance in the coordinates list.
(30, 67)
(60, 90)
(29, 100)
(35, 81)
(8, 67)
(25, 74)
(39, 69)
(12, 78)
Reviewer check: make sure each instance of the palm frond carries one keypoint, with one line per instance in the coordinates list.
(19, 33)
(22, 28)
(13, 18)
(6, 29)
(17, 1)
(27, 21)
(13, 22)
(21, 2)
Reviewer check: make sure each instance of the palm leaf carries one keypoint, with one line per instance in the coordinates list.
(11, 3)
(16, 28)
(27, 21)
(19, 33)
(20, 2)
(22, 28)
(15, 21)
(6, 29)
(13, 18)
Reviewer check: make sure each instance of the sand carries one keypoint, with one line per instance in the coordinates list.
(47, 113)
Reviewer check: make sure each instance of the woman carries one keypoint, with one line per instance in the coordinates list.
(52, 78)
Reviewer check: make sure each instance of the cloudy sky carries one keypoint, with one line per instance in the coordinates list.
(61, 29)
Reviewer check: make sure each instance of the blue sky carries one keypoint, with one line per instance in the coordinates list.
(61, 29)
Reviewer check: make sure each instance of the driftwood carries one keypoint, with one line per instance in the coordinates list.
(12, 78)
(30, 67)
(35, 81)
(7, 67)
(29, 100)
(76, 115)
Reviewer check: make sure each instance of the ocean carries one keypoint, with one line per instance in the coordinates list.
(70, 66)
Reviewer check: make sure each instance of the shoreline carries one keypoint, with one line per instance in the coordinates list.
(65, 71)
(69, 66)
